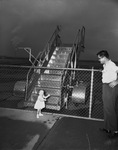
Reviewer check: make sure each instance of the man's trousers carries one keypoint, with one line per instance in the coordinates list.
(110, 103)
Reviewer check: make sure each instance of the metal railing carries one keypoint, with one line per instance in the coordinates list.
(43, 58)
(77, 48)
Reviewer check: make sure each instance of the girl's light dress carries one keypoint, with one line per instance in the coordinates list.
(40, 103)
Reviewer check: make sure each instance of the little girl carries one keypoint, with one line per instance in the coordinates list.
(40, 103)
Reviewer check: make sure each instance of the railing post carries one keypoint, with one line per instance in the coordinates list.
(91, 93)
(26, 86)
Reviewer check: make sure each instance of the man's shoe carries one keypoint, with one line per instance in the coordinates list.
(104, 130)
(113, 134)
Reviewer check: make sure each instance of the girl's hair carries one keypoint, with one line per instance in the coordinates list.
(103, 53)
(40, 91)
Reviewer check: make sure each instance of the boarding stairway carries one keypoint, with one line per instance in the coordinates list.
(51, 80)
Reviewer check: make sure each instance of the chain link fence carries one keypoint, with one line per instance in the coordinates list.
(9, 75)
(75, 92)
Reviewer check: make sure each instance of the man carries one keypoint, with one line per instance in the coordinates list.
(110, 93)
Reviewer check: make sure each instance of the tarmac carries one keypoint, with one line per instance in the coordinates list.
(21, 130)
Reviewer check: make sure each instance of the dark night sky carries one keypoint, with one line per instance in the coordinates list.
(31, 22)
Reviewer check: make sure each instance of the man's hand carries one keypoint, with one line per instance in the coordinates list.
(113, 83)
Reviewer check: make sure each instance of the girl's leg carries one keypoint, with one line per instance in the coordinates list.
(38, 111)
(40, 114)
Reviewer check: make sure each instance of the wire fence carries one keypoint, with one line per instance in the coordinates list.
(75, 92)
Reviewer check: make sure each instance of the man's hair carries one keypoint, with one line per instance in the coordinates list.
(103, 53)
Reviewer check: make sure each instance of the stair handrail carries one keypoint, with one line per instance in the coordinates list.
(43, 56)
(77, 48)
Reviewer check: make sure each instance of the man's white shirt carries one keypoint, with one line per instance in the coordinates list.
(109, 72)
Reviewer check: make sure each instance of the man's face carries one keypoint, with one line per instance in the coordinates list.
(102, 60)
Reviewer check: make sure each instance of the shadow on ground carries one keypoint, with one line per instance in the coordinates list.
(78, 134)
(17, 134)
(21, 130)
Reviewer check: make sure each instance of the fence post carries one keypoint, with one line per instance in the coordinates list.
(91, 93)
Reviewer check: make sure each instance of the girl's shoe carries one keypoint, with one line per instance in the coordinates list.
(105, 130)
(37, 116)
(40, 114)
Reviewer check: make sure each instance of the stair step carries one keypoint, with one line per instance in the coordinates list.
(51, 77)
(65, 52)
(53, 107)
(53, 100)
(57, 60)
(59, 56)
(49, 83)
(53, 72)
(51, 91)
(64, 49)
(55, 65)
